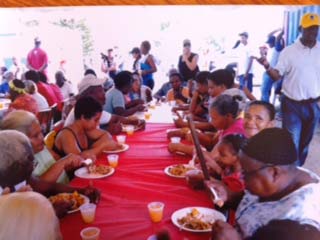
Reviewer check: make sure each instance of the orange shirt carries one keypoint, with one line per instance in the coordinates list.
(185, 93)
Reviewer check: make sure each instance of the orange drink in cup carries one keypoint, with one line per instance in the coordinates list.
(156, 211)
(88, 212)
(130, 129)
(113, 160)
(90, 233)
(147, 115)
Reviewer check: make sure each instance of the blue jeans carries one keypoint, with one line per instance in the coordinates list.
(266, 87)
(246, 82)
(300, 119)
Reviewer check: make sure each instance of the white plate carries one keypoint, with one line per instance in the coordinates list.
(125, 148)
(136, 128)
(86, 200)
(83, 173)
(166, 170)
(208, 213)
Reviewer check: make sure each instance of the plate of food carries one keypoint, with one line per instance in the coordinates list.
(178, 170)
(196, 219)
(75, 198)
(124, 147)
(94, 172)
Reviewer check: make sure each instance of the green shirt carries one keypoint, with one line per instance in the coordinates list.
(43, 161)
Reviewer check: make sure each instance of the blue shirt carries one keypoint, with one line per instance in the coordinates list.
(114, 99)
(4, 88)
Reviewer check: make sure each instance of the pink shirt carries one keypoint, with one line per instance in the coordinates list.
(235, 128)
(37, 58)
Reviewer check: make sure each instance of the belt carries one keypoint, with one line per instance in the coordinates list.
(305, 101)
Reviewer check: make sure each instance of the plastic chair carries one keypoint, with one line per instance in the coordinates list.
(45, 118)
(49, 139)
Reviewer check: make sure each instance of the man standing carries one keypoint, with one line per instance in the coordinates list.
(299, 65)
(245, 62)
(37, 59)
(276, 44)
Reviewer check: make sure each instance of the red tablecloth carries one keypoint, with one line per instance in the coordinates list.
(139, 179)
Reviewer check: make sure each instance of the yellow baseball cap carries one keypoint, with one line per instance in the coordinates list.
(310, 19)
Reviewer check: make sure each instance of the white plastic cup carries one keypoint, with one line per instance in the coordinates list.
(130, 129)
(90, 233)
(113, 160)
(121, 139)
(175, 139)
(156, 211)
(88, 212)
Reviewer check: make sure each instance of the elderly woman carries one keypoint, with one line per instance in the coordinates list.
(32, 89)
(16, 166)
(48, 166)
(83, 137)
(258, 115)
(275, 187)
(29, 216)
(20, 99)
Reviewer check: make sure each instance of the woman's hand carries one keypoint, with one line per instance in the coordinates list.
(212, 163)
(88, 154)
(180, 123)
(174, 147)
(61, 208)
(224, 231)
(72, 161)
(92, 193)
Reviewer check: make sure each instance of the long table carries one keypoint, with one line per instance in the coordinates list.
(139, 179)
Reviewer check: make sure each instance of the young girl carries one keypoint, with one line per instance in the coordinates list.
(228, 160)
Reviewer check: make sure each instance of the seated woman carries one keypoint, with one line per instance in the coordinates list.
(258, 115)
(223, 114)
(48, 166)
(29, 216)
(16, 166)
(20, 99)
(115, 101)
(178, 93)
(83, 137)
(276, 187)
(138, 91)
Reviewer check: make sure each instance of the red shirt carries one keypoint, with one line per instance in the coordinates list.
(24, 102)
(37, 58)
(47, 91)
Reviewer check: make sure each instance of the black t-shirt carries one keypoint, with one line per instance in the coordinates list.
(185, 72)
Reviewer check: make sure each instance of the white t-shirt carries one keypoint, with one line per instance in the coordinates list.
(302, 205)
(66, 90)
(300, 68)
(104, 119)
(41, 101)
(244, 54)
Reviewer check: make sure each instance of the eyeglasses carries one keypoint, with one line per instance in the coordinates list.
(252, 172)
(186, 45)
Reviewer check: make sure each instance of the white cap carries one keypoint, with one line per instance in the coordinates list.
(88, 81)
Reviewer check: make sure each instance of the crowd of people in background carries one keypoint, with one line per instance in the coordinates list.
(254, 164)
